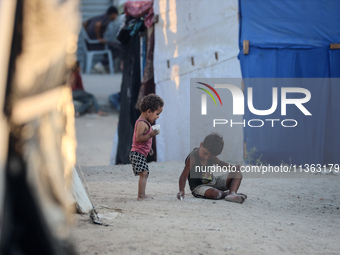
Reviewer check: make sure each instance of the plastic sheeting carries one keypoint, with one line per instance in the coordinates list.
(207, 33)
(291, 39)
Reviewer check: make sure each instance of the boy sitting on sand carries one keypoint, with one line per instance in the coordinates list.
(202, 182)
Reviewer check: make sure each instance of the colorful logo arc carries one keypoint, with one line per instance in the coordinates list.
(209, 93)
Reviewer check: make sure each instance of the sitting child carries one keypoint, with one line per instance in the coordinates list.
(203, 183)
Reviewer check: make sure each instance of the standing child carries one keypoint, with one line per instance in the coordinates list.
(202, 182)
(151, 107)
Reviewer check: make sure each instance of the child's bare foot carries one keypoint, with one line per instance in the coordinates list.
(233, 197)
(243, 195)
(226, 193)
(144, 197)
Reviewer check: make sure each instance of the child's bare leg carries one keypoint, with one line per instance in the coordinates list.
(233, 183)
(143, 177)
(213, 194)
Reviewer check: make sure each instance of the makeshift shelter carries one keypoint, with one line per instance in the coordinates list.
(293, 39)
(283, 39)
(37, 49)
(193, 39)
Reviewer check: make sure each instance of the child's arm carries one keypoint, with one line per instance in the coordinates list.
(97, 28)
(184, 176)
(141, 129)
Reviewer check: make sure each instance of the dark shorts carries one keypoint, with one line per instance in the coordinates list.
(138, 162)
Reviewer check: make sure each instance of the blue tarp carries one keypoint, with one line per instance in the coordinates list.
(291, 39)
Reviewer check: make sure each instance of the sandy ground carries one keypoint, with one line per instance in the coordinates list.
(280, 216)
(95, 133)
(94, 139)
(295, 215)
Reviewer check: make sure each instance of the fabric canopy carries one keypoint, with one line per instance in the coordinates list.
(292, 39)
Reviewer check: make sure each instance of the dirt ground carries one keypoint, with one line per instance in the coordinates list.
(295, 215)
(280, 216)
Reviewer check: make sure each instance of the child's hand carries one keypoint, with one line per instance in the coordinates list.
(180, 195)
(154, 132)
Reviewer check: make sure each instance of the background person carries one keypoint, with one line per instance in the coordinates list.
(96, 27)
(79, 94)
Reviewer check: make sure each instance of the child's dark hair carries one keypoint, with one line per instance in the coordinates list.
(111, 10)
(151, 102)
(214, 143)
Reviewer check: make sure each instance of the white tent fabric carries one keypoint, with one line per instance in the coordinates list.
(82, 200)
(207, 33)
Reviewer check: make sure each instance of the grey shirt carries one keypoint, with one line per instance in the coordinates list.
(105, 21)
